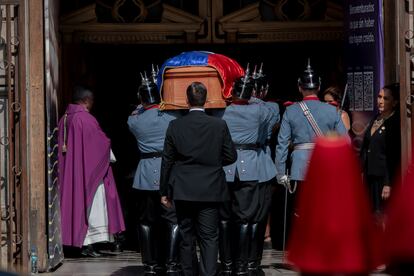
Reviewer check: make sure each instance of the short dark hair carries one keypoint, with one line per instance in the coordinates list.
(394, 88)
(80, 93)
(196, 94)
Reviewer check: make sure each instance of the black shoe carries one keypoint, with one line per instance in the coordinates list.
(160, 269)
(172, 270)
(117, 247)
(150, 270)
(241, 269)
(253, 269)
(89, 251)
(226, 269)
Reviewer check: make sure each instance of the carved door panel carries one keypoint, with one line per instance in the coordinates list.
(406, 61)
(54, 242)
(204, 21)
(12, 184)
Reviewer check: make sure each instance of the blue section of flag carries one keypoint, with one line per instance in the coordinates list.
(194, 58)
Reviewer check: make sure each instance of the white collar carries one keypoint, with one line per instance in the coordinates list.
(196, 109)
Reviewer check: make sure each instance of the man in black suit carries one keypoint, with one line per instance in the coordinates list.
(196, 148)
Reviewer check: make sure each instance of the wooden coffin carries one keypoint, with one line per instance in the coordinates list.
(177, 80)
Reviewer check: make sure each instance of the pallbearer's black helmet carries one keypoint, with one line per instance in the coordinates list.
(148, 91)
(309, 79)
(243, 87)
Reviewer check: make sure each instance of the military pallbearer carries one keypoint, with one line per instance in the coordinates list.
(302, 122)
(157, 225)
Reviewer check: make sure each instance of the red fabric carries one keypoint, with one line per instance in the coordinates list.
(311, 98)
(228, 69)
(399, 233)
(334, 103)
(307, 98)
(335, 231)
(151, 106)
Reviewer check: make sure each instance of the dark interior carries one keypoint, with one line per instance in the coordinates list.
(113, 74)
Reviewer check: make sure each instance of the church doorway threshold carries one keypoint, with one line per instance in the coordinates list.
(129, 263)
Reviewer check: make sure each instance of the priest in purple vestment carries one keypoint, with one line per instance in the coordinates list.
(90, 207)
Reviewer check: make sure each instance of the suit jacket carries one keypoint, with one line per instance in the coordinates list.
(381, 152)
(196, 148)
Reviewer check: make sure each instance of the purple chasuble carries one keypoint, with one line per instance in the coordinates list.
(84, 153)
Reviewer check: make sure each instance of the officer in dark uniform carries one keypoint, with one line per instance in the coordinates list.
(158, 230)
(246, 122)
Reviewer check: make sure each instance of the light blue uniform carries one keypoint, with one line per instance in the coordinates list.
(296, 128)
(267, 169)
(149, 129)
(245, 123)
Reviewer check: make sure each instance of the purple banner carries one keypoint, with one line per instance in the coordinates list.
(364, 56)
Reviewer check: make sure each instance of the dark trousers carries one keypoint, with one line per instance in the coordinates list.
(244, 204)
(265, 201)
(150, 210)
(154, 222)
(201, 219)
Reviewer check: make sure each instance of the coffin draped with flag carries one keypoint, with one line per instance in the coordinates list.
(217, 72)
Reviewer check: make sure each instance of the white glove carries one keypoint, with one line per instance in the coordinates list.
(284, 180)
(138, 110)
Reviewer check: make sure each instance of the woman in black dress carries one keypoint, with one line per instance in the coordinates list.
(381, 147)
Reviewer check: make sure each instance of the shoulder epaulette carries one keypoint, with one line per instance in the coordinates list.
(334, 103)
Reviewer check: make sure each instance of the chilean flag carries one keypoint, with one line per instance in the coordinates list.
(228, 69)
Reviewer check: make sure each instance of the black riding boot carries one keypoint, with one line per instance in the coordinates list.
(225, 247)
(260, 237)
(148, 249)
(257, 231)
(242, 249)
(173, 246)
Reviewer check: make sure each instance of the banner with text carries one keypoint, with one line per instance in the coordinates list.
(364, 56)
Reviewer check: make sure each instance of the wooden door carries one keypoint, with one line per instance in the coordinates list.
(406, 76)
(52, 88)
(13, 177)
